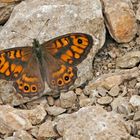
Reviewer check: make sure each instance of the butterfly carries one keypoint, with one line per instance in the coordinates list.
(54, 62)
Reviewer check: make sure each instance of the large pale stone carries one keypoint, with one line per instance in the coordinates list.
(110, 80)
(120, 19)
(65, 16)
(12, 119)
(129, 60)
(92, 123)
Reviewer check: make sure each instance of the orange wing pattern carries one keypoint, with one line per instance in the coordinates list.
(13, 61)
(70, 48)
(61, 55)
(31, 81)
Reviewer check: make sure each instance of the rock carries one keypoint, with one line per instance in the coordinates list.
(67, 99)
(37, 115)
(12, 120)
(138, 13)
(23, 135)
(5, 12)
(46, 130)
(34, 131)
(81, 125)
(54, 110)
(50, 100)
(79, 91)
(133, 138)
(120, 19)
(4, 128)
(114, 91)
(102, 91)
(110, 80)
(28, 18)
(121, 105)
(57, 102)
(137, 116)
(129, 60)
(12, 138)
(10, 1)
(38, 102)
(105, 100)
(20, 135)
(135, 100)
(85, 101)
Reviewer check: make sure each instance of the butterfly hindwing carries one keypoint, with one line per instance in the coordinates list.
(31, 81)
(59, 76)
(71, 48)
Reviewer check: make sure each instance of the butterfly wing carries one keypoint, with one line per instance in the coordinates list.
(21, 66)
(13, 61)
(61, 55)
(59, 76)
(71, 48)
(31, 81)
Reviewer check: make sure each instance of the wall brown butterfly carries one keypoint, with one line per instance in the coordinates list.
(53, 61)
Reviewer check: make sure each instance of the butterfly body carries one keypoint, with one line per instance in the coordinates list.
(53, 61)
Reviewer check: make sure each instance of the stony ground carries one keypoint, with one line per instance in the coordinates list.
(110, 111)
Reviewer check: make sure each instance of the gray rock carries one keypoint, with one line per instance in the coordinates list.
(135, 100)
(65, 16)
(20, 135)
(110, 80)
(92, 123)
(138, 13)
(137, 116)
(105, 100)
(68, 99)
(12, 119)
(46, 130)
(102, 91)
(54, 110)
(114, 91)
(37, 115)
(129, 60)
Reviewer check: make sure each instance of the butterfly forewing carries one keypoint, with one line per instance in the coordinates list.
(71, 48)
(13, 61)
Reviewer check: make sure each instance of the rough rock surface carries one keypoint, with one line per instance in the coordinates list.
(118, 14)
(107, 106)
(86, 124)
(25, 23)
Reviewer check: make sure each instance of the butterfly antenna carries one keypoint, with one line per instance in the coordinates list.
(22, 34)
(46, 23)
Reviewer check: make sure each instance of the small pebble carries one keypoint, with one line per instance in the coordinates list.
(105, 100)
(78, 91)
(50, 100)
(114, 91)
(102, 91)
(68, 99)
(54, 110)
(137, 116)
(57, 102)
(135, 100)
